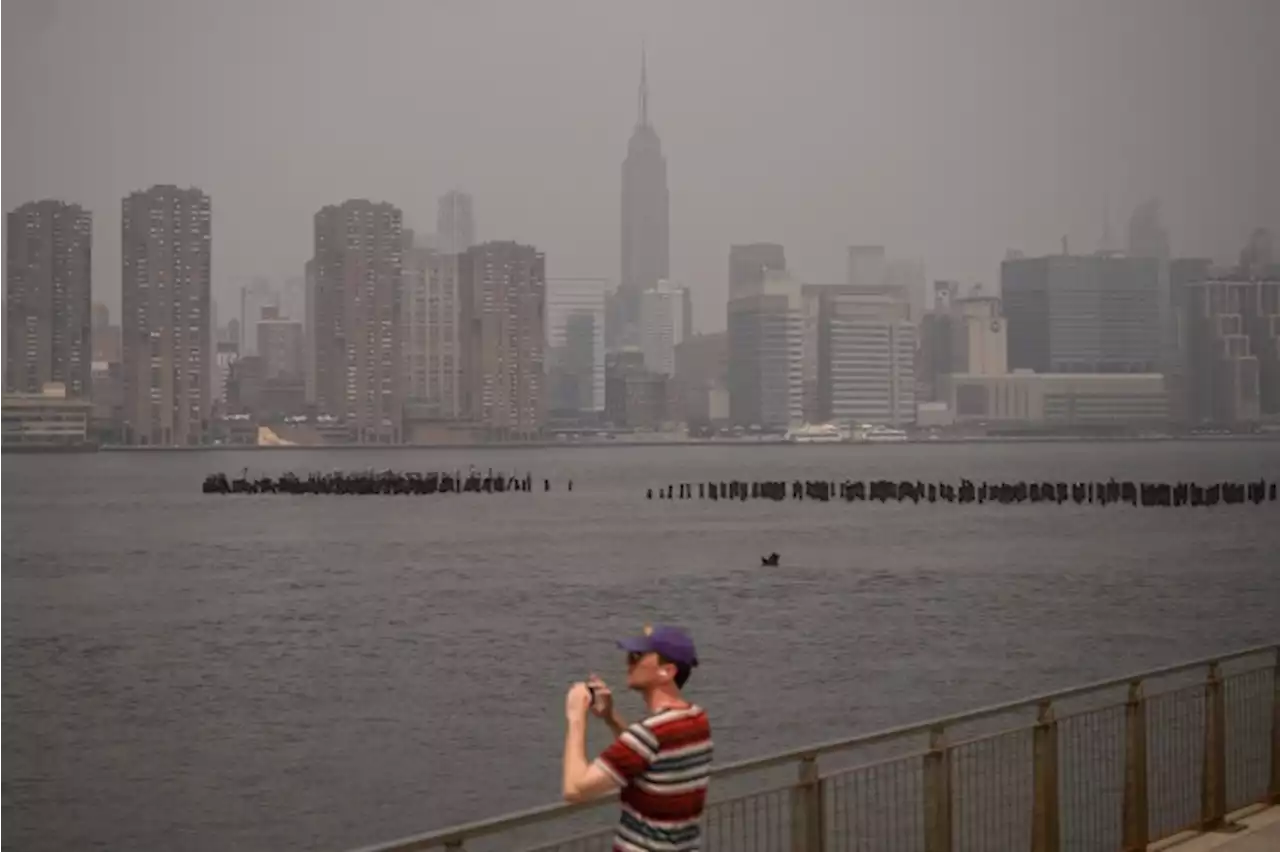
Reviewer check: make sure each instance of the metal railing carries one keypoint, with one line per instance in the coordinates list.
(1115, 765)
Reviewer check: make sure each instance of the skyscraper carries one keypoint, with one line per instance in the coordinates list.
(429, 322)
(166, 267)
(47, 298)
(766, 353)
(357, 313)
(575, 343)
(455, 223)
(646, 238)
(866, 356)
(503, 288)
(106, 337)
(254, 296)
(662, 325)
(1232, 370)
(1082, 314)
(748, 264)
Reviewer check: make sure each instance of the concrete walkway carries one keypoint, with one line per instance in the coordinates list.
(1261, 834)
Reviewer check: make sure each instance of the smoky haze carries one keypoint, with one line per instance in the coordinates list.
(948, 131)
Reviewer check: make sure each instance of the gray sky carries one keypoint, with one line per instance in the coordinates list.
(948, 130)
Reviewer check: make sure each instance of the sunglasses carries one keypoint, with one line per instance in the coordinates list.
(634, 657)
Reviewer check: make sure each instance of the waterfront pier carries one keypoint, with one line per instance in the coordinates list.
(1181, 757)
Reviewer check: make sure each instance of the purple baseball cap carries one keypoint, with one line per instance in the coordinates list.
(671, 642)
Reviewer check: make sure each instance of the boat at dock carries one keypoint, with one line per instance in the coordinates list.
(868, 434)
(818, 433)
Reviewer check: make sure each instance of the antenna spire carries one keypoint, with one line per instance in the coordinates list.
(644, 89)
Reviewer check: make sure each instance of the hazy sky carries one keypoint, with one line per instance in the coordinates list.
(948, 130)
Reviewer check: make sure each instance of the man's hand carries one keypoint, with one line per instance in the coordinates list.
(576, 702)
(603, 705)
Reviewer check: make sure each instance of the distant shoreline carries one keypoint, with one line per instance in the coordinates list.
(606, 445)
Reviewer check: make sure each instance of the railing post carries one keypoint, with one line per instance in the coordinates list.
(807, 833)
(937, 793)
(1045, 834)
(1213, 778)
(1135, 770)
(1275, 732)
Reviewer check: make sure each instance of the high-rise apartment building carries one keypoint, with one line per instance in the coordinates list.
(503, 288)
(166, 268)
(575, 343)
(430, 322)
(455, 223)
(646, 236)
(766, 343)
(47, 335)
(1083, 314)
(663, 324)
(357, 308)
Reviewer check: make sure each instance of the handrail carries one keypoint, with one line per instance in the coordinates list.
(455, 835)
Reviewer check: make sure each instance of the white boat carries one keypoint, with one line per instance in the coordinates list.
(819, 433)
(868, 434)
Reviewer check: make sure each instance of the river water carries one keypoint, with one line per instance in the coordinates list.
(198, 672)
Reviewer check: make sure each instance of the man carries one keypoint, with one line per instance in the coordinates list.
(661, 763)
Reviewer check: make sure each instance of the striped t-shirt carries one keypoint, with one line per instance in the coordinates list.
(663, 763)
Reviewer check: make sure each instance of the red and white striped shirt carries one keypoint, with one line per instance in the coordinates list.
(663, 764)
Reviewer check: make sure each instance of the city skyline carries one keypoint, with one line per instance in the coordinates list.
(922, 177)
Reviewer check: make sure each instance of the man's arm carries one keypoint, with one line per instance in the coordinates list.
(616, 723)
(582, 781)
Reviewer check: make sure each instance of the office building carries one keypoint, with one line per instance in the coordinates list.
(47, 327)
(1058, 399)
(430, 318)
(576, 343)
(1083, 314)
(106, 337)
(748, 264)
(662, 325)
(46, 420)
(907, 277)
(503, 286)
(967, 334)
(766, 340)
(635, 396)
(357, 315)
(866, 266)
(1232, 356)
(254, 297)
(309, 328)
(455, 223)
(166, 268)
(865, 356)
(645, 237)
(702, 378)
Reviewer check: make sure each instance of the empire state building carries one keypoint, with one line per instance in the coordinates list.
(646, 245)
